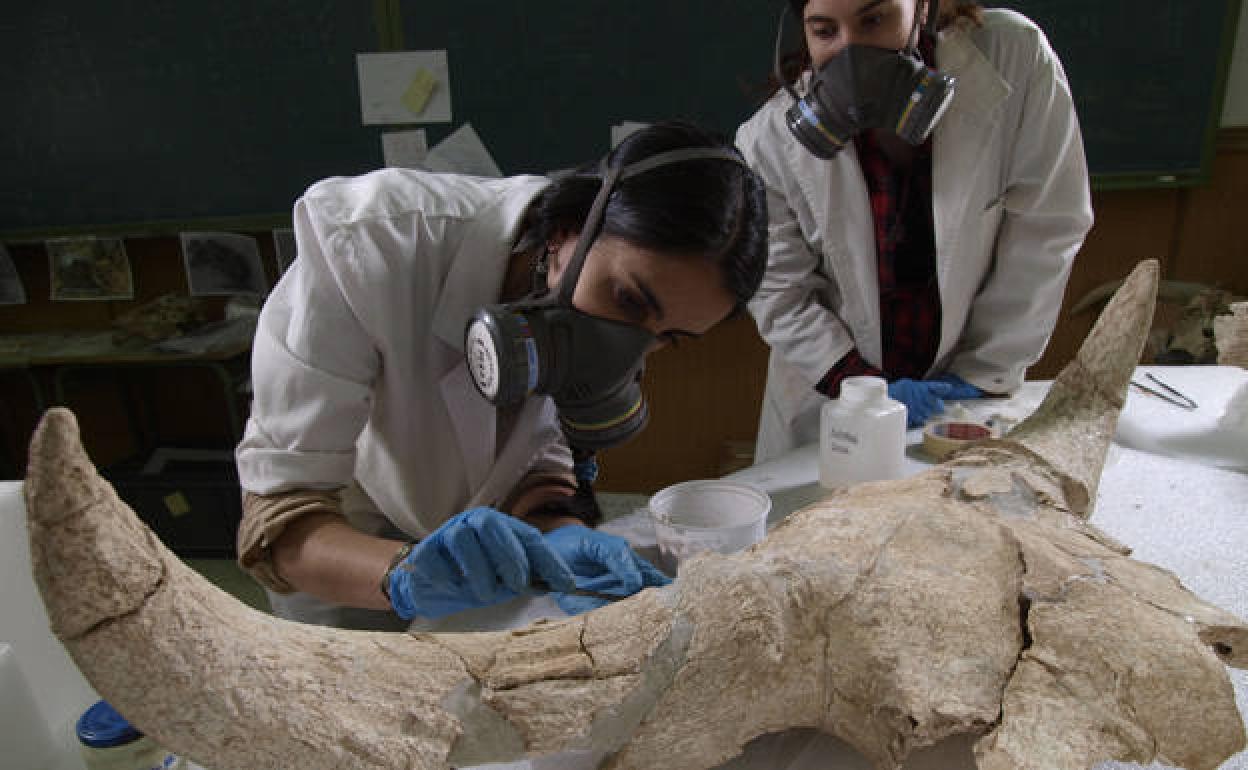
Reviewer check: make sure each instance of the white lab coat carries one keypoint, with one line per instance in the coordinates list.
(1011, 206)
(358, 364)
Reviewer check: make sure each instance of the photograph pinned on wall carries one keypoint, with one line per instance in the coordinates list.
(222, 264)
(284, 247)
(11, 290)
(89, 268)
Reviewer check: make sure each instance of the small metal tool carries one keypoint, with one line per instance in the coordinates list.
(541, 585)
(1171, 396)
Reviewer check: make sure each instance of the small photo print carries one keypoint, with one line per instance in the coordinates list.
(11, 290)
(284, 248)
(219, 264)
(89, 268)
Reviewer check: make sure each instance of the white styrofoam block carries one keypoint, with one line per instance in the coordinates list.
(1152, 424)
(60, 691)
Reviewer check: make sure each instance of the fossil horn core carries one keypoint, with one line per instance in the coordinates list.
(972, 598)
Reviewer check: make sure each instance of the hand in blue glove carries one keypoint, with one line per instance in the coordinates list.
(603, 564)
(960, 388)
(923, 398)
(477, 558)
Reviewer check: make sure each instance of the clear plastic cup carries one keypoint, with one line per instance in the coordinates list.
(693, 517)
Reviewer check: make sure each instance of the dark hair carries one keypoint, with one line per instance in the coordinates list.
(703, 208)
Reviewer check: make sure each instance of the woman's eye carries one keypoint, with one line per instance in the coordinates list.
(824, 32)
(872, 20)
(630, 305)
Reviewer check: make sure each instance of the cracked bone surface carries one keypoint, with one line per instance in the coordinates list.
(972, 598)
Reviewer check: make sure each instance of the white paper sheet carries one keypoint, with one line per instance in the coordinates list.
(462, 153)
(404, 149)
(404, 87)
(622, 130)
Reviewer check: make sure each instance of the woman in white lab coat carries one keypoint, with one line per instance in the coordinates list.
(379, 484)
(941, 266)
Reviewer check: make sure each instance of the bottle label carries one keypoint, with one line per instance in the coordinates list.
(839, 441)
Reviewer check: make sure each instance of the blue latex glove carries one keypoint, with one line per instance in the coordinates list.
(477, 558)
(960, 388)
(923, 398)
(602, 563)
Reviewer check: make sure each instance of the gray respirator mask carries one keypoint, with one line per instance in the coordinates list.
(864, 87)
(590, 366)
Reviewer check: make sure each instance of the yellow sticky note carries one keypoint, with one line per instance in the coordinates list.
(177, 504)
(419, 90)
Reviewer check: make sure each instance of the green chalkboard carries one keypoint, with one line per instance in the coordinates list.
(542, 82)
(140, 116)
(131, 111)
(1148, 80)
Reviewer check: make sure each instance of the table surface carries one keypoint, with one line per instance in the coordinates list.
(1181, 514)
(102, 348)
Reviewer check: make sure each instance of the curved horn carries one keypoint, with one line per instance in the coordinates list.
(1178, 292)
(973, 598)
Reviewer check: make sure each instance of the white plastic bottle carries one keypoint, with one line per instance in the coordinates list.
(862, 434)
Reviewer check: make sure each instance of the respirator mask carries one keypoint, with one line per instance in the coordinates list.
(590, 366)
(865, 87)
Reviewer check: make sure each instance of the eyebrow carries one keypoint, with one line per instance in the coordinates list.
(657, 307)
(651, 299)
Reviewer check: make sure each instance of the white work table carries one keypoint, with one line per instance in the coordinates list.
(1168, 503)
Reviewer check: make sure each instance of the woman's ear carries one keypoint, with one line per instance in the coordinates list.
(558, 251)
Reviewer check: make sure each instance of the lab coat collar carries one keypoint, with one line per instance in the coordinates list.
(977, 106)
(479, 265)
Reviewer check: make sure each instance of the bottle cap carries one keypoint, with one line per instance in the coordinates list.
(101, 727)
(863, 387)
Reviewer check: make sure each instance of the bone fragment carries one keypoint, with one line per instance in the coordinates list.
(1231, 336)
(974, 598)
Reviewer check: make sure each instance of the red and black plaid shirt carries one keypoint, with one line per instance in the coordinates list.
(905, 243)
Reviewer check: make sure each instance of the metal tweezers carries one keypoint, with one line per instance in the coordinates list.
(541, 585)
(1174, 397)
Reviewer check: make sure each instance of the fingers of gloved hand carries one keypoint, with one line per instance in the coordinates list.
(609, 583)
(462, 547)
(650, 575)
(958, 387)
(506, 537)
(614, 555)
(543, 561)
(424, 582)
(575, 605)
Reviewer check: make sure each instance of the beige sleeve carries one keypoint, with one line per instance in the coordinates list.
(265, 517)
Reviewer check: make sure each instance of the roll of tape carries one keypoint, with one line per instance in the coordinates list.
(940, 439)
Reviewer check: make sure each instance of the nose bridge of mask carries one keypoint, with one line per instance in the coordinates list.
(589, 355)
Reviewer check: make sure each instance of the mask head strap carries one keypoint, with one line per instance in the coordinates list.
(777, 70)
(929, 26)
(611, 176)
